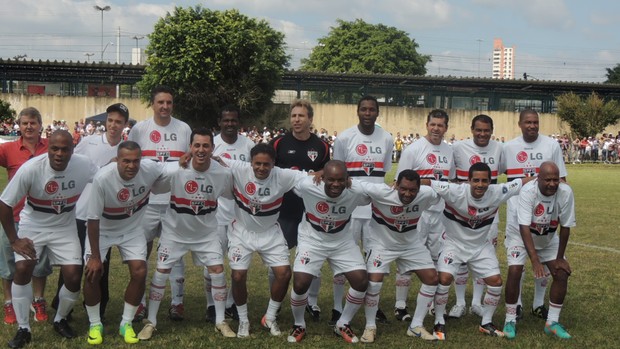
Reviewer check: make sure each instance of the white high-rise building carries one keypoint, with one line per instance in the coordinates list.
(503, 60)
(138, 56)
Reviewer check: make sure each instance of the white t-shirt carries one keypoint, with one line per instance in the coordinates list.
(522, 159)
(467, 153)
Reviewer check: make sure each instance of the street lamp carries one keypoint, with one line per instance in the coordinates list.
(88, 54)
(479, 42)
(105, 48)
(138, 37)
(18, 57)
(102, 9)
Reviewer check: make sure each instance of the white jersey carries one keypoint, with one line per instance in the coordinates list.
(467, 153)
(326, 220)
(543, 214)
(193, 200)
(522, 159)
(258, 201)
(394, 226)
(162, 143)
(367, 157)
(429, 161)
(468, 220)
(51, 195)
(100, 152)
(240, 150)
(118, 204)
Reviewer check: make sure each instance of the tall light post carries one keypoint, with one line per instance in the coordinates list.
(479, 42)
(137, 38)
(105, 48)
(88, 55)
(102, 10)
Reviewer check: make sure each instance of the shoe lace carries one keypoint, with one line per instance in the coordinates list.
(346, 329)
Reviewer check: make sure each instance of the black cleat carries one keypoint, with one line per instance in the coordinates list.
(335, 317)
(210, 314)
(22, 338)
(314, 311)
(540, 312)
(402, 314)
(519, 313)
(232, 313)
(381, 318)
(62, 328)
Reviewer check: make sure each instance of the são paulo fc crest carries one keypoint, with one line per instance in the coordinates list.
(438, 174)
(377, 262)
(400, 224)
(197, 205)
(163, 254)
(163, 155)
(235, 255)
(51, 187)
(474, 159)
(305, 258)
(327, 225)
(313, 154)
(59, 205)
(191, 186)
(361, 149)
(155, 136)
(123, 195)
(322, 207)
(529, 172)
(448, 258)
(515, 252)
(368, 167)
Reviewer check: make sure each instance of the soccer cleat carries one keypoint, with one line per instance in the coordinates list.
(420, 332)
(457, 311)
(491, 330)
(9, 314)
(439, 331)
(369, 335)
(22, 338)
(476, 309)
(402, 314)
(314, 311)
(381, 318)
(225, 330)
(232, 313)
(272, 326)
(95, 334)
(141, 313)
(335, 317)
(510, 330)
(431, 309)
(519, 312)
(297, 334)
(176, 312)
(540, 312)
(243, 330)
(557, 329)
(210, 317)
(346, 333)
(38, 307)
(62, 328)
(128, 334)
(147, 331)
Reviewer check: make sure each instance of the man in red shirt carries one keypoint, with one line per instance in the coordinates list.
(12, 156)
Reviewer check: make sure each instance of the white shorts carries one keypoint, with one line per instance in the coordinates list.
(204, 253)
(431, 231)
(132, 246)
(482, 264)
(417, 257)
(269, 244)
(516, 254)
(360, 227)
(152, 220)
(62, 246)
(222, 232)
(342, 258)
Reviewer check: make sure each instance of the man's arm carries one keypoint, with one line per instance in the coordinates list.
(24, 247)
(526, 236)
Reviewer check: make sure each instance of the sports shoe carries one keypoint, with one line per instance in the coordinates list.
(519, 312)
(335, 317)
(62, 328)
(176, 312)
(225, 330)
(439, 331)
(490, 330)
(540, 312)
(346, 333)
(457, 311)
(381, 318)
(369, 335)
(147, 331)
(9, 314)
(272, 326)
(510, 330)
(297, 334)
(22, 338)
(232, 313)
(210, 317)
(243, 330)
(476, 309)
(431, 309)
(38, 307)
(557, 329)
(95, 334)
(402, 314)
(420, 332)
(314, 311)
(141, 313)
(128, 334)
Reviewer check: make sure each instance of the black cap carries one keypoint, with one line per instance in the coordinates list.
(120, 108)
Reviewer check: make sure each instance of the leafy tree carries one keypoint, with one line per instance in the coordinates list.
(6, 112)
(213, 58)
(613, 75)
(587, 116)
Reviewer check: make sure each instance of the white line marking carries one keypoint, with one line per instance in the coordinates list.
(609, 249)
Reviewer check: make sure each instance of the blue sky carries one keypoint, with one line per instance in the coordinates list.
(567, 40)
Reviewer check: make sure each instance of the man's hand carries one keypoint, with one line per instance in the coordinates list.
(93, 269)
(184, 160)
(24, 247)
(560, 264)
(539, 269)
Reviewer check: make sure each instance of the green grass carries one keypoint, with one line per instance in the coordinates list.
(589, 309)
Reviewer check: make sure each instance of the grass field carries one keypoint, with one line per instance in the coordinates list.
(589, 309)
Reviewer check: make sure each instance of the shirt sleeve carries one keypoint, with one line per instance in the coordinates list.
(17, 187)
(339, 150)
(567, 206)
(525, 207)
(406, 161)
(97, 200)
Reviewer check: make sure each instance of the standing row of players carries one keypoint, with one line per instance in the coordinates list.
(115, 214)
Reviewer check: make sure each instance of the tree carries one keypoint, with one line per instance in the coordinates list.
(587, 116)
(6, 112)
(613, 75)
(213, 58)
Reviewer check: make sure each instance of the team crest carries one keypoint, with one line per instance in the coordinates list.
(51, 187)
(529, 172)
(448, 258)
(255, 206)
(377, 262)
(521, 156)
(197, 205)
(59, 205)
(474, 159)
(542, 228)
(327, 225)
(438, 174)
(129, 211)
(515, 253)
(163, 155)
(123, 195)
(361, 149)
(313, 154)
(431, 158)
(163, 254)
(368, 167)
(191, 187)
(155, 136)
(400, 224)
(235, 255)
(305, 258)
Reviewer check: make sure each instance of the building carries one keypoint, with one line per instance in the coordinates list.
(503, 60)
(138, 56)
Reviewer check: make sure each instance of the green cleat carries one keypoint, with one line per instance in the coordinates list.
(95, 334)
(555, 328)
(128, 334)
(510, 330)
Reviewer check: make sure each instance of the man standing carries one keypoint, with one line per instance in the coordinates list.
(120, 191)
(300, 150)
(165, 139)
(12, 156)
(52, 184)
(544, 206)
(522, 157)
(431, 158)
